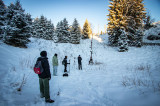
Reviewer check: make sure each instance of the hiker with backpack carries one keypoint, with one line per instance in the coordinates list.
(79, 62)
(44, 76)
(55, 64)
(64, 62)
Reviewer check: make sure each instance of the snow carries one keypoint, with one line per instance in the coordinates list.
(152, 31)
(116, 79)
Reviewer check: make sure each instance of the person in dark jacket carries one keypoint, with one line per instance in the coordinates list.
(65, 64)
(44, 77)
(79, 62)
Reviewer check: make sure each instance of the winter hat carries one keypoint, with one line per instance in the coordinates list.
(43, 53)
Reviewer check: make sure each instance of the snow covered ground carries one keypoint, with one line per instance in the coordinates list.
(152, 31)
(116, 79)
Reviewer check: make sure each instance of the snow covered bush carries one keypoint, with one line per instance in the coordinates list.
(141, 78)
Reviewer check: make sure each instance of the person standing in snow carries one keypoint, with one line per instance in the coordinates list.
(79, 62)
(65, 64)
(55, 64)
(44, 77)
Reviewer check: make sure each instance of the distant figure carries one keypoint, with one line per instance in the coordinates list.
(65, 64)
(44, 77)
(55, 64)
(79, 62)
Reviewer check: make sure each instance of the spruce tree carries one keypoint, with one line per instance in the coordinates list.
(148, 22)
(135, 16)
(65, 31)
(138, 38)
(56, 33)
(49, 30)
(3, 17)
(117, 19)
(59, 31)
(126, 14)
(18, 28)
(86, 30)
(75, 33)
(35, 27)
(122, 41)
(43, 28)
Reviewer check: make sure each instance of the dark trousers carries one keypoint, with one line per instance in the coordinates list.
(44, 88)
(80, 66)
(65, 68)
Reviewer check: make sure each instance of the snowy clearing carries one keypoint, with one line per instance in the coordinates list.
(116, 79)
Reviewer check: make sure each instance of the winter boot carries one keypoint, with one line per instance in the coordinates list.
(49, 101)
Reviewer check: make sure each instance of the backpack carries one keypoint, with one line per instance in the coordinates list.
(38, 69)
(63, 62)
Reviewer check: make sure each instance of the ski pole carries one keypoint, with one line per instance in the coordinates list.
(69, 66)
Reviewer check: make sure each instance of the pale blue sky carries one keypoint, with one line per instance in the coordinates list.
(93, 10)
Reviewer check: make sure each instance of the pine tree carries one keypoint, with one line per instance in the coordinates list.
(18, 28)
(86, 30)
(117, 19)
(65, 31)
(43, 28)
(126, 14)
(148, 21)
(58, 35)
(75, 32)
(59, 31)
(138, 38)
(122, 41)
(35, 27)
(135, 16)
(49, 31)
(3, 12)
(29, 25)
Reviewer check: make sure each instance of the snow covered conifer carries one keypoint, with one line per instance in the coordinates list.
(43, 28)
(117, 19)
(56, 34)
(17, 26)
(65, 31)
(113, 39)
(49, 30)
(75, 33)
(59, 32)
(148, 21)
(122, 41)
(35, 27)
(2, 18)
(135, 16)
(86, 33)
(138, 38)
(126, 14)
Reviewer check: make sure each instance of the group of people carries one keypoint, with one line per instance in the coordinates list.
(45, 76)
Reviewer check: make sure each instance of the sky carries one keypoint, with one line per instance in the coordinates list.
(95, 11)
